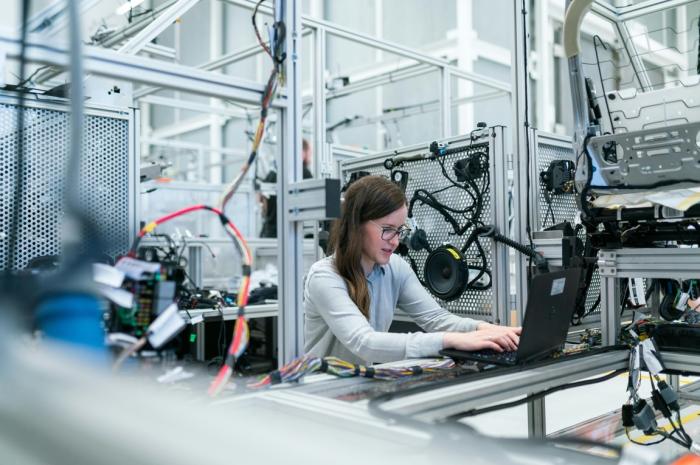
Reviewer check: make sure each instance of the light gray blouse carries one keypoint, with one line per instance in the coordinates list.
(334, 325)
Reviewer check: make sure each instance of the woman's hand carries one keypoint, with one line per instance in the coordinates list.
(498, 338)
(510, 335)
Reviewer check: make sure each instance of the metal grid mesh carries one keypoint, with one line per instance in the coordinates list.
(104, 181)
(426, 174)
(563, 206)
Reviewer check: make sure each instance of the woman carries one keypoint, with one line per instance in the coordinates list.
(351, 295)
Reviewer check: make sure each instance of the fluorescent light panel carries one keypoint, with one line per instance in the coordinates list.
(128, 6)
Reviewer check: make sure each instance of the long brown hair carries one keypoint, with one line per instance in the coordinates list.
(368, 198)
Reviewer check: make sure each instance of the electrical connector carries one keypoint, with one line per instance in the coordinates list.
(627, 416)
(644, 418)
(660, 404)
(670, 396)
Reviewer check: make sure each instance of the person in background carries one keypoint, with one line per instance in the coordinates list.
(350, 296)
(269, 204)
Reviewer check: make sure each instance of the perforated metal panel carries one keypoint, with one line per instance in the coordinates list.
(427, 174)
(106, 178)
(563, 206)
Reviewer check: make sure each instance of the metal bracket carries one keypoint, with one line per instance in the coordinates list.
(314, 200)
(607, 263)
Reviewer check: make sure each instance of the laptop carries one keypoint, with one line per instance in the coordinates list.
(550, 306)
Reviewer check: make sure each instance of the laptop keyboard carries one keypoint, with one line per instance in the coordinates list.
(489, 354)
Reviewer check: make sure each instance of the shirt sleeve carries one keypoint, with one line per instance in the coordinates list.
(329, 295)
(415, 301)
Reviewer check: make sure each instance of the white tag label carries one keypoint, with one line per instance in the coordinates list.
(107, 275)
(636, 291)
(651, 357)
(135, 269)
(119, 297)
(166, 326)
(558, 286)
(682, 301)
(634, 363)
(196, 319)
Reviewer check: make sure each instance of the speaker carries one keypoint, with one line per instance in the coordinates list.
(446, 273)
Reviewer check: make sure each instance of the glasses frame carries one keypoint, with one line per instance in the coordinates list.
(402, 231)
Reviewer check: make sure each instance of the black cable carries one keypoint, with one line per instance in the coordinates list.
(548, 200)
(19, 162)
(526, 124)
(627, 433)
(539, 395)
(602, 84)
(257, 32)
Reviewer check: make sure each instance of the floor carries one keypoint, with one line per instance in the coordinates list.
(570, 412)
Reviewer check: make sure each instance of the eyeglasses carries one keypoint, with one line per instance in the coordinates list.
(388, 233)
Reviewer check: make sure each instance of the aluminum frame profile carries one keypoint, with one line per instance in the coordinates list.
(525, 200)
(109, 63)
(314, 200)
(163, 21)
(436, 404)
(386, 46)
(441, 402)
(680, 263)
(290, 230)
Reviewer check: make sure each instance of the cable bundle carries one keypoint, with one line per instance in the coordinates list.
(639, 414)
(275, 52)
(302, 366)
(241, 332)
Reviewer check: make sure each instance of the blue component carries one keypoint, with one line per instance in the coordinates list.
(72, 318)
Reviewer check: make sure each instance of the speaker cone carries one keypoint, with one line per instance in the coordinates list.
(446, 273)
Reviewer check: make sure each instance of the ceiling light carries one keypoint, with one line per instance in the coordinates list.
(128, 6)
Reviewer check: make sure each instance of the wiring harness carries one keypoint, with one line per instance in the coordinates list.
(638, 413)
(302, 366)
(274, 50)
(241, 332)
(471, 176)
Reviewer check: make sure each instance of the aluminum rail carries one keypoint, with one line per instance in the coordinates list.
(109, 63)
(441, 402)
(390, 47)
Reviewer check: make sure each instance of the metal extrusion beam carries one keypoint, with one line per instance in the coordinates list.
(160, 50)
(145, 70)
(194, 106)
(433, 105)
(626, 13)
(681, 361)
(681, 263)
(108, 40)
(113, 38)
(390, 47)
(382, 79)
(157, 26)
(441, 402)
(217, 63)
(317, 199)
(289, 230)
(54, 17)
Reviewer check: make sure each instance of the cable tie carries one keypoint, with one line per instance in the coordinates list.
(246, 270)
(275, 377)
(358, 370)
(416, 370)
(324, 366)
(369, 372)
